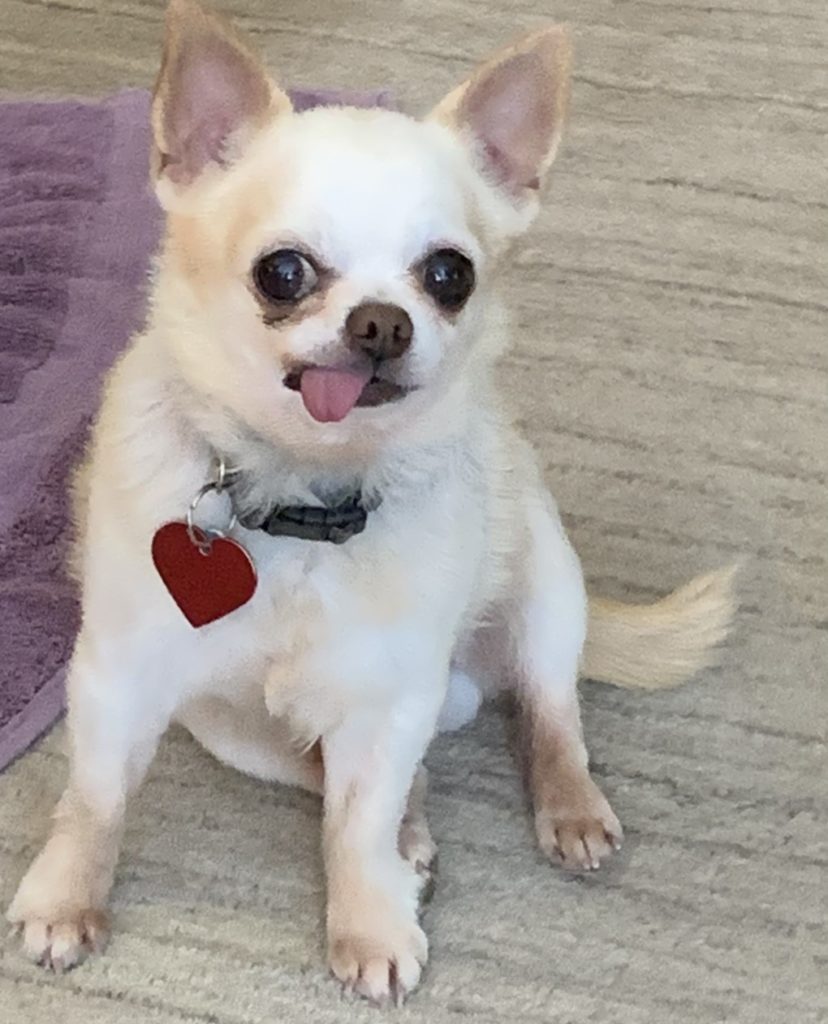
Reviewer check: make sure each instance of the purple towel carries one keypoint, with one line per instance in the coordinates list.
(77, 226)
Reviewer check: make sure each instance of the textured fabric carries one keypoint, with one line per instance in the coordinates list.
(78, 223)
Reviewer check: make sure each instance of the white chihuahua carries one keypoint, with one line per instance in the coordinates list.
(306, 516)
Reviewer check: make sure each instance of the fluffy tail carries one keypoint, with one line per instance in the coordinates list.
(654, 646)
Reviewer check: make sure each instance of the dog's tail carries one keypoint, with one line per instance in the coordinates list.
(654, 646)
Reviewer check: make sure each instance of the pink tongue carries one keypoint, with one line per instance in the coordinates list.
(329, 394)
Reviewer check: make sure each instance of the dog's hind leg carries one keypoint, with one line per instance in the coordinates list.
(415, 841)
(547, 618)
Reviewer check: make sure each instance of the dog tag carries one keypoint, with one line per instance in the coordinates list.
(207, 580)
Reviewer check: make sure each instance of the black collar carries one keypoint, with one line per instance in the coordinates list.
(336, 523)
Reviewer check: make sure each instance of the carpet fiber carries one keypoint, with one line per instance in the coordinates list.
(670, 365)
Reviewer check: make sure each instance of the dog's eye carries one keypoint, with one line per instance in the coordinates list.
(284, 276)
(448, 277)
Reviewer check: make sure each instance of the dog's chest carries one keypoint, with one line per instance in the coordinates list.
(336, 625)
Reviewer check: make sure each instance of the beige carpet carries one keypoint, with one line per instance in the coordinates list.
(671, 366)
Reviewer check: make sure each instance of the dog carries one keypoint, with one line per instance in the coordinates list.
(307, 528)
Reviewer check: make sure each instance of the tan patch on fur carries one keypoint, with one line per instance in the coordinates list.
(573, 819)
(194, 253)
(206, 247)
(254, 193)
(59, 906)
(186, 21)
(213, 245)
(662, 644)
(375, 945)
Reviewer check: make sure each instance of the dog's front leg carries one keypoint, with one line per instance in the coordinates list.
(375, 943)
(114, 728)
(573, 820)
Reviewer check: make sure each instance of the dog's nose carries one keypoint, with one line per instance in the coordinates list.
(379, 330)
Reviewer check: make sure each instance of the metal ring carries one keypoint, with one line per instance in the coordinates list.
(202, 539)
(222, 471)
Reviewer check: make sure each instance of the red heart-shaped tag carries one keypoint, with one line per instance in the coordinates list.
(205, 586)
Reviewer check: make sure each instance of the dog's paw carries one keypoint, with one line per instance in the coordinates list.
(417, 846)
(419, 849)
(580, 832)
(58, 907)
(63, 940)
(383, 967)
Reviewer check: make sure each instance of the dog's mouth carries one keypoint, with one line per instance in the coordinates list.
(330, 393)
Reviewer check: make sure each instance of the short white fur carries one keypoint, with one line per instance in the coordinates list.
(464, 571)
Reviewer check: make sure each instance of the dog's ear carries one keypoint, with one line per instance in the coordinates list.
(513, 109)
(211, 97)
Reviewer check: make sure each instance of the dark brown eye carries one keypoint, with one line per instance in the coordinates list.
(284, 276)
(448, 277)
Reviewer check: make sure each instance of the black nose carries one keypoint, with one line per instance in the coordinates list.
(379, 330)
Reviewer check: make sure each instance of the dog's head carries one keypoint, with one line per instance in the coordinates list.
(325, 274)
